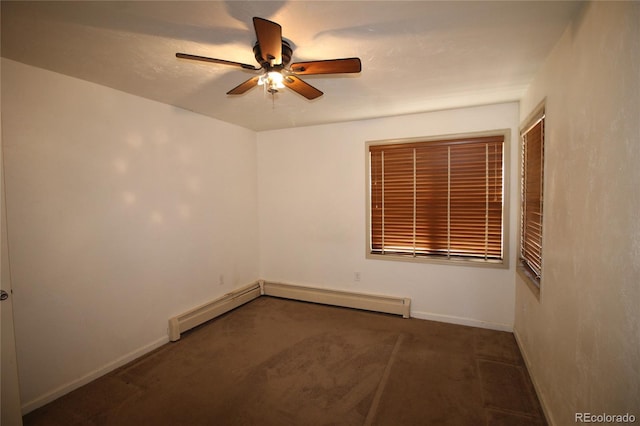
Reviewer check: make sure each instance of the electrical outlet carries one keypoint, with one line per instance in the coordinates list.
(221, 280)
(356, 276)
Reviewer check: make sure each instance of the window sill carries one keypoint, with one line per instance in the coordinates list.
(439, 261)
(531, 282)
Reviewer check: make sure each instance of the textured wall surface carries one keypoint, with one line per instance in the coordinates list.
(582, 339)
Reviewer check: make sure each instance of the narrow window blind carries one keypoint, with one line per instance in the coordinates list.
(438, 198)
(532, 194)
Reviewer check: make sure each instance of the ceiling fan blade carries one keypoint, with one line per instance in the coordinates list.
(270, 40)
(215, 61)
(331, 66)
(305, 89)
(243, 87)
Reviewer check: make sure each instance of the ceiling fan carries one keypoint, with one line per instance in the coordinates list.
(273, 53)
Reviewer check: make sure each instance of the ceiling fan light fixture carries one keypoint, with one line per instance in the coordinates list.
(272, 80)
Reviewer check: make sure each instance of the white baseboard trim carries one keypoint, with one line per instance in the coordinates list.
(200, 314)
(540, 395)
(451, 319)
(91, 376)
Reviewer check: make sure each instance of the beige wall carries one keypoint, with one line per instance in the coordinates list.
(312, 194)
(122, 212)
(582, 339)
(10, 413)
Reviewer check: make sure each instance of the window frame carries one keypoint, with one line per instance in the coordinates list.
(499, 264)
(533, 280)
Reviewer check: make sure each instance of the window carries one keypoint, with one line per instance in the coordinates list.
(532, 195)
(437, 199)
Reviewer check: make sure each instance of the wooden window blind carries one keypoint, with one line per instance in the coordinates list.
(532, 194)
(441, 199)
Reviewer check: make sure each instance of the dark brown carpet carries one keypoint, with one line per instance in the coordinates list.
(282, 362)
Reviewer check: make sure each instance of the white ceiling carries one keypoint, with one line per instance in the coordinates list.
(416, 56)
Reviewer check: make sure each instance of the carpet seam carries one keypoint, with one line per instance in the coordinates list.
(383, 382)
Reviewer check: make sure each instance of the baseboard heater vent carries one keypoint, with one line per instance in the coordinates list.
(369, 302)
(203, 313)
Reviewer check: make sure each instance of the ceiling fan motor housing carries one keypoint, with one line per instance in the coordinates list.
(286, 56)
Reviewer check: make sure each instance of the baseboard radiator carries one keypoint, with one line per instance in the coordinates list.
(203, 313)
(369, 302)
